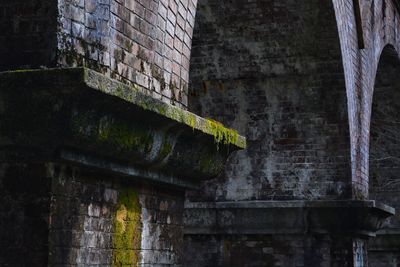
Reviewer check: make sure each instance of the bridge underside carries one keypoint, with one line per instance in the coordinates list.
(103, 163)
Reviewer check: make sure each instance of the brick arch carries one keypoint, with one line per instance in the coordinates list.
(273, 70)
(384, 156)
(365, 28)
(385, 128)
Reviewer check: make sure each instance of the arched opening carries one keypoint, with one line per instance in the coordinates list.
(384, 173)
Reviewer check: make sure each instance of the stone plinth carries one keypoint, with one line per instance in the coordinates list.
(93, 171)
(281, 233)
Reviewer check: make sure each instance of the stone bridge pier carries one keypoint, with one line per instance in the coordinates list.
(301, 80)
(97, 146)
(104, 162)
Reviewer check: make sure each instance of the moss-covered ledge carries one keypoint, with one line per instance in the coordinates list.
(81, 116)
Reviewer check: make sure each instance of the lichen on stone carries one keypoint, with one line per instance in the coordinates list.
(109, 131)
(127, 230)
(165, 150)
(221, 134)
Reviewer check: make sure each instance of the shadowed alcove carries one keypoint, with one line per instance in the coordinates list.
(384, 173)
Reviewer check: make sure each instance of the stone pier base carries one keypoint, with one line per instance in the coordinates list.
(281, 233)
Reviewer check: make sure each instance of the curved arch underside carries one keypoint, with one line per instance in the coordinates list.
(379, 22)
(384, 183)
(273, 70)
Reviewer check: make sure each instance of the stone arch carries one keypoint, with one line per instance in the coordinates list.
(384, 174)
(378, 21)
(273, 70)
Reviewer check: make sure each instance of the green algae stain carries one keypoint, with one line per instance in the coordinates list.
(165, 150)
(123, 136)
(220, 133)
(106, 130)
(127, 230)
(208, 164)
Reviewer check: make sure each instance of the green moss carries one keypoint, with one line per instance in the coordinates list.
(165, 150)
(127, 230)
(220, 133)
(121, 92)
(122, 136)
(190, 119)
(21, 71)
(109, 131)
(207, 164)
(134, 95)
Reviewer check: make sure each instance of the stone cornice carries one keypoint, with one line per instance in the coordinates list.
(362, 218)
(81, 116)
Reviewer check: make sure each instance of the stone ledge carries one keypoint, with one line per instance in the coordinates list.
(385, 240)
(81, 116)
(363, 218)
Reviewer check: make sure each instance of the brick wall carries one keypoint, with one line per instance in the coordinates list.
(85, 214)
(384, 184)
(143, 42)
(24, 213)
(274, 72)
(146, 43)
(379, 21)
(58, 215)
(267, 250)
(27, 34)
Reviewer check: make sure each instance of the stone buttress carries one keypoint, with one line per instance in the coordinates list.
(96, 145)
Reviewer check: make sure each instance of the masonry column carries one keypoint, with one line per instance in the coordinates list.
(96, 145)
